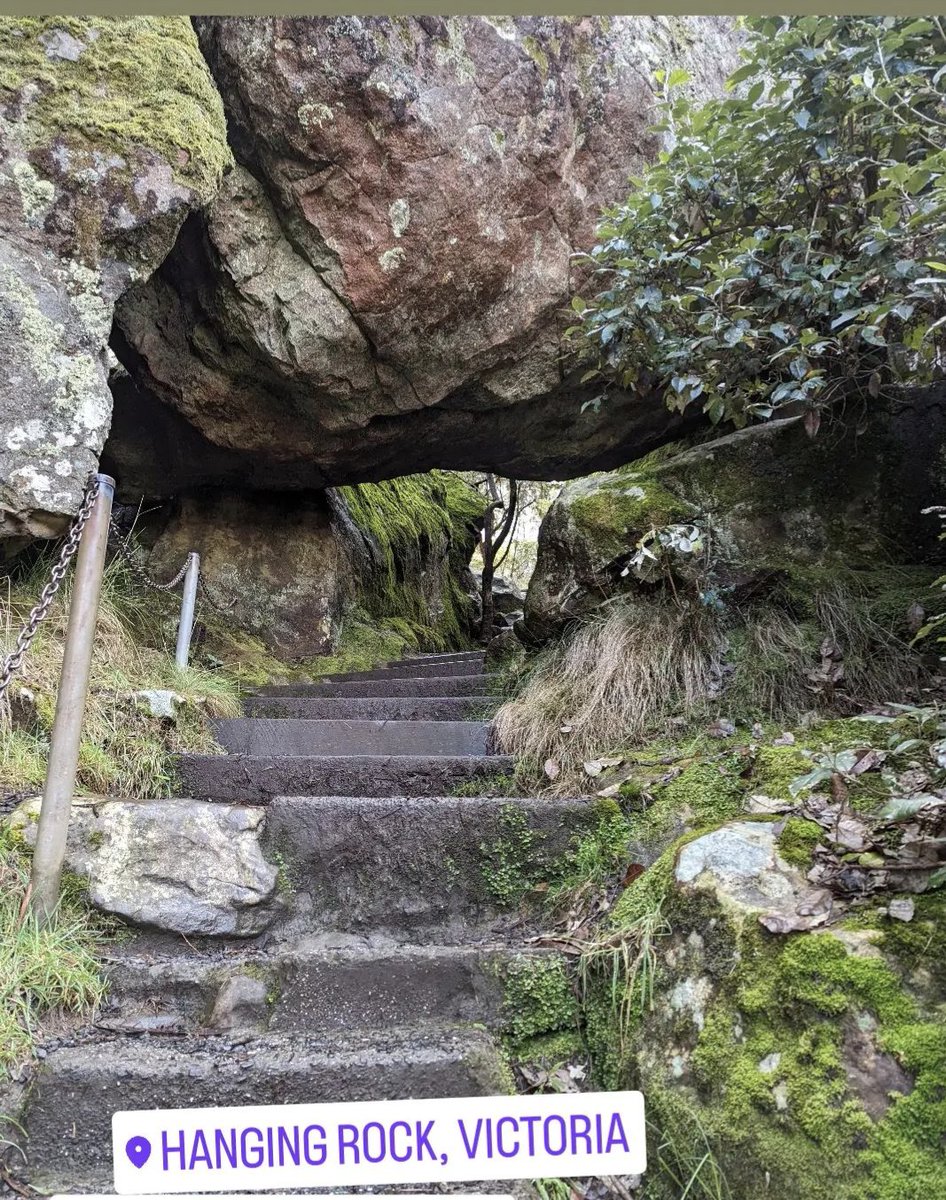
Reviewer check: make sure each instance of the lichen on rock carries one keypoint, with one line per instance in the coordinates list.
(111, 132)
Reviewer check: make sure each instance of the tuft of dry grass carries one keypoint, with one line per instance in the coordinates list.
(609, 683)
(619, 677)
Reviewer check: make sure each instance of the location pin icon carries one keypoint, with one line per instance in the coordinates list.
(138, 1150)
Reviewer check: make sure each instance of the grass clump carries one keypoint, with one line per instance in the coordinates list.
(125, 749)
(42, 971)
(608, 683)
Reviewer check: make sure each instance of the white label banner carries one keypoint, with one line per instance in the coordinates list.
(289, 1146)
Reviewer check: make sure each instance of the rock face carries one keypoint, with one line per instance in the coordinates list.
(111, 132)
(744, 514)
(178, 865)
(380, 286)
(290, 568)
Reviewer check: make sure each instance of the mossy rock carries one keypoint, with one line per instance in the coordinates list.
(797, 541)
(116, 85)
(807, 1066)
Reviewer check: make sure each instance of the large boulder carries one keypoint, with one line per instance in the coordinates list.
(734, 521)
(180, 865)
(381, 287)
(111, 132)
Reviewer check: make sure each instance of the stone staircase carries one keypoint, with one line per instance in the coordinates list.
(381, 975)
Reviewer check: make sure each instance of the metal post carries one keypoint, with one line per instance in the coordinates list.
(188, 601)
(50, 849)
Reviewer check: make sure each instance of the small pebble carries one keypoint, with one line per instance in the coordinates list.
(901, 910)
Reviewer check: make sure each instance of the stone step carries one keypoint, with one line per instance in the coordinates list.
(439, 869)
(256, 779)
(427, 685)
(76, 1089)
(456, 656)
(323, 982)
(268, 736)
(414, 670)
(372, 708)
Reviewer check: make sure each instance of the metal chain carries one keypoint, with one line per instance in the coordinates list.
(208, 596)
(14, 660)
(124, 548)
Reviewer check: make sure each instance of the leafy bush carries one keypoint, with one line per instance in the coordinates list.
(790, 248)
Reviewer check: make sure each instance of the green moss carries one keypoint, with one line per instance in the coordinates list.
(418, 528)
(619, 509)
(919, 945)
(538, 998)
(775, 767)
(138, 81)
(598, 852)
(512, 864)
(535, 51)
(702, 796)
(797, 841)
(551, 1050)
(496, 784)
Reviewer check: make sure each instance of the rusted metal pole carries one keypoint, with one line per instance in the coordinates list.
(188, 602)
(50, 849)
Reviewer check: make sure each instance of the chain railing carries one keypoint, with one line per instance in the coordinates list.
(14, 660)
(86, 542)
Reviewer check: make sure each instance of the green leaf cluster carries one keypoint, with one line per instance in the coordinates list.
(788, 249)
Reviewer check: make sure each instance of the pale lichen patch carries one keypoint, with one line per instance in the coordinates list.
(393, 259)
(36, 195)
(400, 216)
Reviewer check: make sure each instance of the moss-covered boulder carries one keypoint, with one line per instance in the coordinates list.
(387, 561)
(808, 1066)
(111, 132)
(733, 520)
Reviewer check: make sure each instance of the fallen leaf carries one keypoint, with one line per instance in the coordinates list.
(594, 767)
(870, 760)
(552, 769)
(634, 871)
(904, 808)
(760, 803)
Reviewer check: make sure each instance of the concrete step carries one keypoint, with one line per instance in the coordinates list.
(453, 656)
(435, 869)
(252, 779)
(264, 735)
(426, 685)
(372, 708)
(415, 670)
(76, 1089)
(323, 982)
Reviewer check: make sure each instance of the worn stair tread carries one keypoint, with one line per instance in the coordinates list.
(255, 779)
(417, 868)
(77, 1088)
(299, 736)
(415, 670)
(457, 656)
(383, 708)
(426, 685)
(321, 981)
